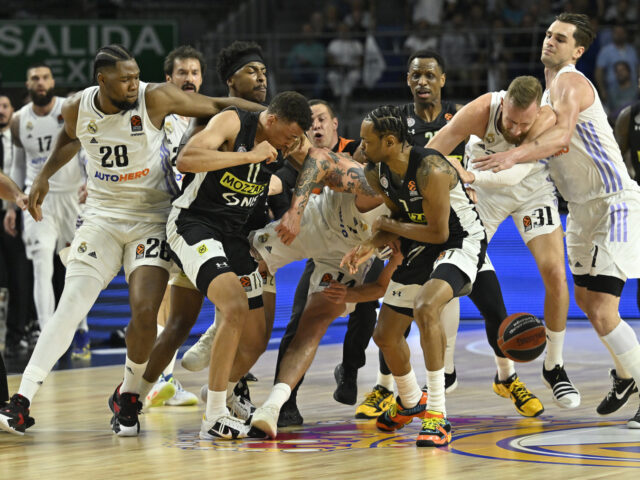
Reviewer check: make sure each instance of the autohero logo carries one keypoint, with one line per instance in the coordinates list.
(124, 177)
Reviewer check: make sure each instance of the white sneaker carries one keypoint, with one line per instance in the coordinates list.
(159, 393)
(227, 427)
(181, 398)
(265, 418)
(240, 407)
(198, 356)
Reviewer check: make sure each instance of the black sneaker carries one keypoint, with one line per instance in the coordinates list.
(619, 394)
(347, 390)
(289, 415)
(125, 407)
(635, 421)
(14, 417)
(250, 377)
(450, 382)
(242, 389)
(564, 393)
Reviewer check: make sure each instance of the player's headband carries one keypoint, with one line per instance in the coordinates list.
(241, 62)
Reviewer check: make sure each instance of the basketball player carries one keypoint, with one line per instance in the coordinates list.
(496, 122)
(227, 166)
(184, 66)
(11, 192)
(603, 231)
(130, 185)
(34, 129)
(627, 133)
(443, 243)
(242, 67)
(322, 227)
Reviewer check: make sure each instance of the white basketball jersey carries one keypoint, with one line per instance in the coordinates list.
(492, 142)
(339, 212)
(592, 166)
(129, 174)
(174, 128)
(38, 135)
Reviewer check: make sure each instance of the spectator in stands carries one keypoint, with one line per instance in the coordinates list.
(331, 19)
(513, 13)
(624, 92)
(430, 11)
(306, 63)
(619, 50)
(344, 55)
(621, 12)
(456, 44)
(422, 38)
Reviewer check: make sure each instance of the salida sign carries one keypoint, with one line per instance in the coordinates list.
(69, 47)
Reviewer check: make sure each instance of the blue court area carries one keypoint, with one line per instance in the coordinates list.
(521, 286)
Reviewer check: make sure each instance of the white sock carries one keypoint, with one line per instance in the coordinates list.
(83, 325)
(79, 294)
(216, 404)
(505, 367)
(621, 372)
(168, 371)
(435, 384)
(555, 342)
(230, 387)
(624, 343)
(450, 318)
(132, 376)
(408, 389)
(43, 296)
(280, 393)
(145, 388)
(385, 380)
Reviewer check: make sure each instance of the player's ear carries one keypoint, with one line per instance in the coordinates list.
(443, 79)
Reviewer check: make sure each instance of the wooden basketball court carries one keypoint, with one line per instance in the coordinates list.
(72, 439)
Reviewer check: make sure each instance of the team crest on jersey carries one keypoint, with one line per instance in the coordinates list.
(168, 127)
(411, 122)
(92, 127)
(82, 247)
(326, 280)
(202, 249)
(263, 238)
(136, 123)
(140, 251)
(241, 148)
(526, 223)
(384, 182)
(490, 138)
(29, 126)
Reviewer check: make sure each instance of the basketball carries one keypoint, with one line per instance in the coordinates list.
(522, 337)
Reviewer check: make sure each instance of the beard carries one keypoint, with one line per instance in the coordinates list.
(124, 105)
(41, 100)
(189, 86)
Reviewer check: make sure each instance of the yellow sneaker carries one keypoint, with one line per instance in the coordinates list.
(526, 403)
(376, 402)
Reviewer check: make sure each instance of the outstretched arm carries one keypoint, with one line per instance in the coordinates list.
(571, 94)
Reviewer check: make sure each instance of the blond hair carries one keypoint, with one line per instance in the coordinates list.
(525, 90)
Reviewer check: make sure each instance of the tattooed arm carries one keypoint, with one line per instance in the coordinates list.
(436, 177)
(322, 167)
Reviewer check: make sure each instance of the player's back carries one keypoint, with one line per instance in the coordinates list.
(38, 135)
(128, 166)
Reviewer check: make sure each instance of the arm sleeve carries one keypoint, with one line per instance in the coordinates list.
(504, 178)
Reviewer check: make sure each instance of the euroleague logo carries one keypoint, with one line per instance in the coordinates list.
(136, 123)
(537, 440)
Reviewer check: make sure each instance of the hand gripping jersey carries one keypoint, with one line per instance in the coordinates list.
(129, 174)
(225, 198)
(463, 218)
(535, 183)
(592, 166)
(38, 135)
(174, 128)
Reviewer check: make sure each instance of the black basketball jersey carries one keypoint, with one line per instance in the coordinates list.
(463, 219)
(225, 198)
(421, 131)
(634, 138)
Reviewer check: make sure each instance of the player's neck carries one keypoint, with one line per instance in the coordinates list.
(260, 130)
(103, 105)
(428, 111)
(398, 161)
(43, 110)
(550, 73)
